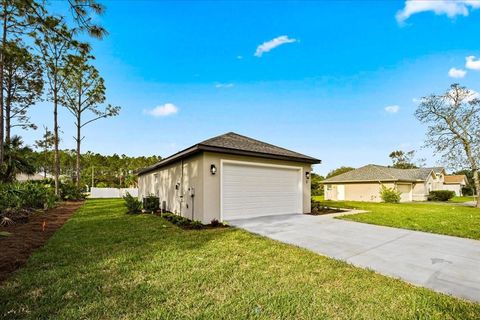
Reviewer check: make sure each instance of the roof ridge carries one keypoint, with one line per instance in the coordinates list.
(384, 171)
(252, 139)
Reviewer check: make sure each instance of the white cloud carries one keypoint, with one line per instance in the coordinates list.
(272, 44)
(239, 57)
(472, 63)
(163, 110)
(392, 109)
(224, 85)
(457, 73)
(447, 7)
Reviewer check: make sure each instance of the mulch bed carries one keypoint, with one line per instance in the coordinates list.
(16, 248)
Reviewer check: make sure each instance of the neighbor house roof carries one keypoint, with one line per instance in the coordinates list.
(376, 173)
(455, 179)
(437, 169)
(233, 143)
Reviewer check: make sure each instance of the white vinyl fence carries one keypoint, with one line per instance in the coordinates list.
(112, 192)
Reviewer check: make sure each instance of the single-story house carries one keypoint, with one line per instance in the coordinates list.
(230, 177)
(364, 184)
(455, 183)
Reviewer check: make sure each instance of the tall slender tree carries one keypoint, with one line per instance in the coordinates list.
(453, 120)
(16, 21)
(23, 86)
(20, 17)
(84, 92)
(45, 145)
(55, 42)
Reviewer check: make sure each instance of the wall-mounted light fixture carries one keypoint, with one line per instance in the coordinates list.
(213, 169)
(307, 175)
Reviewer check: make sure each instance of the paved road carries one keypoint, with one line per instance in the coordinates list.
(446, 264)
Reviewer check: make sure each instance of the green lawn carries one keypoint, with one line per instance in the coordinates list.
(104, 264)
(461, 199)
(442, 218)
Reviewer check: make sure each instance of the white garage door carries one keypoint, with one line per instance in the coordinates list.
(253, 191)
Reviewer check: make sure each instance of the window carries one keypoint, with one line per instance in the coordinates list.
(329, 187)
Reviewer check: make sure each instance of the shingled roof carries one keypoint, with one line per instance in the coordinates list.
(233, 143)
(455, 179)
(376, 173)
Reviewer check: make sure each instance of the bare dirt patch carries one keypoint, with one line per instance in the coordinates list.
(25, 238)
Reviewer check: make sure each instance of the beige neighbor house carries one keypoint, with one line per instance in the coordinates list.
(230, 177)
(455, 183)
(364, 184)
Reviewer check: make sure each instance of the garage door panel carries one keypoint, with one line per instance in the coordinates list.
(249, 191)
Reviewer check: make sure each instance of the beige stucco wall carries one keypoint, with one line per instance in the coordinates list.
(207, 186)
(457, 188)
(366, 191)
(420, 191)
(177, 200)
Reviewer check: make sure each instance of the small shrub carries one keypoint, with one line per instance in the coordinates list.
(26, 195)
(69, 191)
(196, 225)
(151, 203)
(215, 223)
(440, 195)
(181, 221)
(390, 195)
(133, 204)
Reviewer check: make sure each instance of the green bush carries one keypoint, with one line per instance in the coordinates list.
(440, 195)
(132, 203)
(151, 203)
(26, 195)
(183, 222)
(390, 195)
(467, 191)
(19, 200)
(69, 191)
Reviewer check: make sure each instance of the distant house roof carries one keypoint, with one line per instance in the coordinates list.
(437, 170)
(376, 173)
(233, 143)
(455, 179)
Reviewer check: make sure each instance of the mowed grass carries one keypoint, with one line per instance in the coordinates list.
(462, 199)
(441, 218)
(104, 264)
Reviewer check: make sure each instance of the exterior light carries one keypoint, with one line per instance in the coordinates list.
(307, 175)
(213, 169)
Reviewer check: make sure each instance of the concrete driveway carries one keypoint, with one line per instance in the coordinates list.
(446, 264)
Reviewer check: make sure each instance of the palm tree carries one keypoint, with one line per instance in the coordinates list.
(17, 160)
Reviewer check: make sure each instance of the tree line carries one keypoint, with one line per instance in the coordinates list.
(117, 171)
(43, 59)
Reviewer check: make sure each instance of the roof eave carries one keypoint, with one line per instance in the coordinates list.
(177, 156)
(258, 154)
(200, 148)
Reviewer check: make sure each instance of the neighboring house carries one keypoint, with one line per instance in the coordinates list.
(230, 177)
(455, 183)
(21, 177)
(364, 184)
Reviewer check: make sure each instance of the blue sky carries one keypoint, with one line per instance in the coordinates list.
(186, 71)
